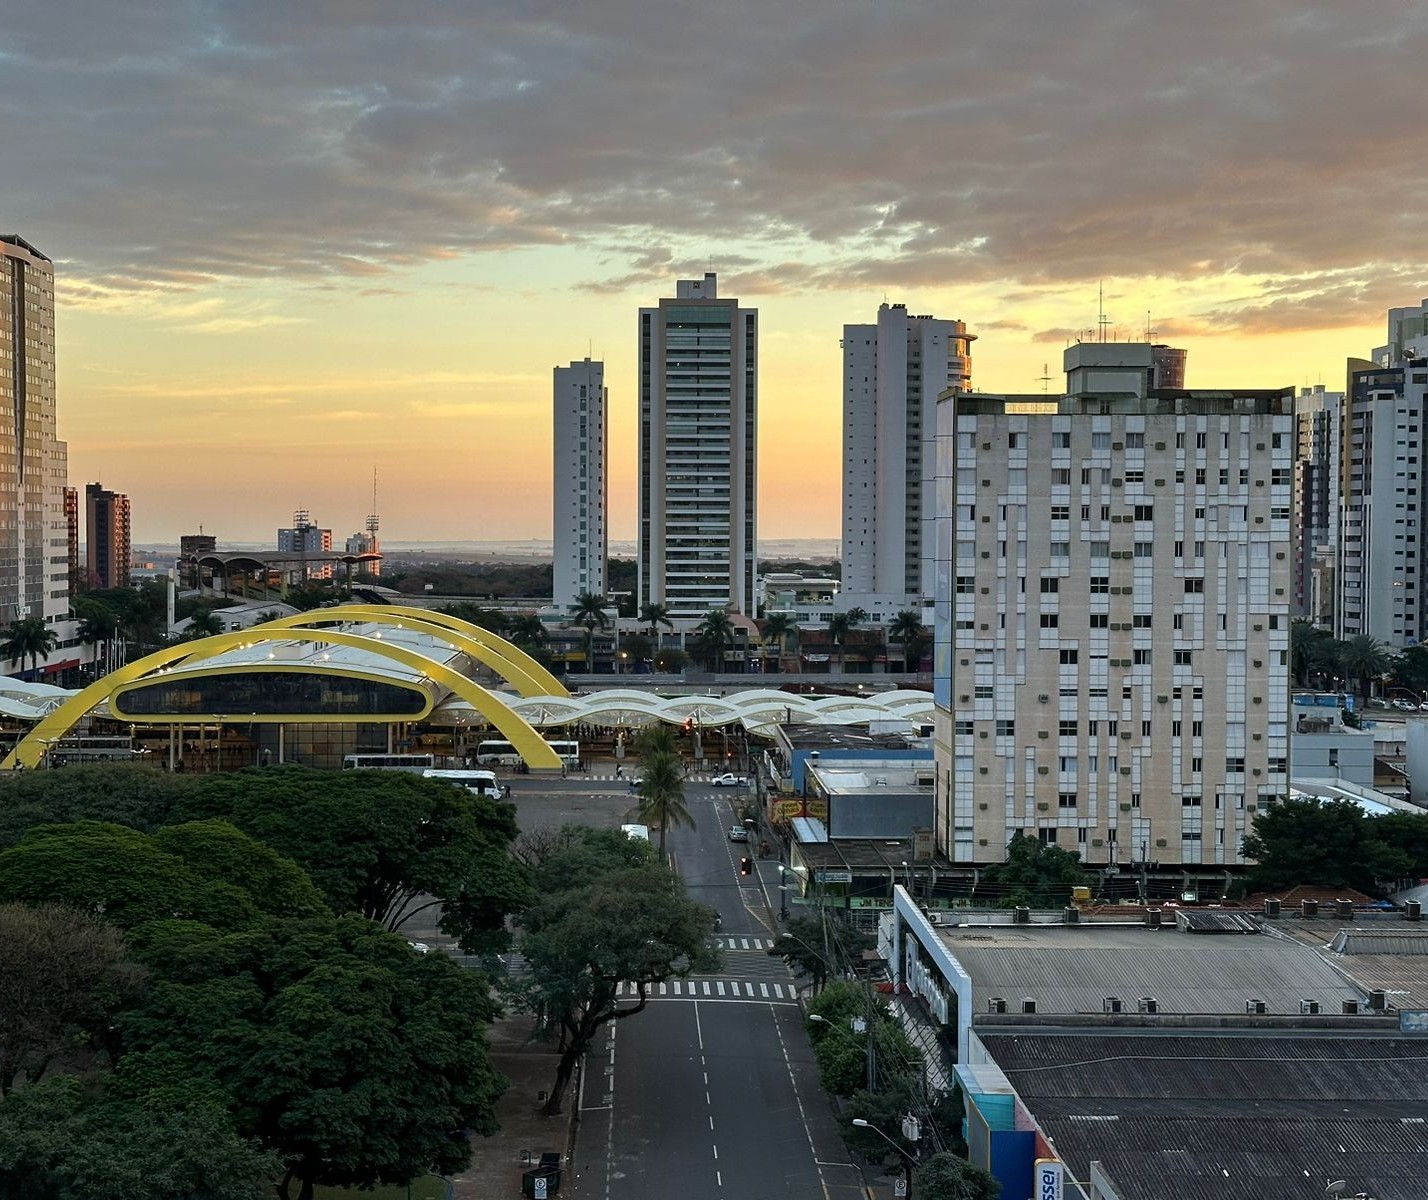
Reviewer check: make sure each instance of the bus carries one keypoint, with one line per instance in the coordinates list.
(481, 783)
(502, 754)
(389, 762)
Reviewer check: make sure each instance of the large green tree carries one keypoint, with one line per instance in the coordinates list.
(606, 915)
(352, 1058)
(1035, 873)
(28, 638)
(1330, 844)
(123, 794)
(821, 948)
(661, 794)
(589, 613)
(652, 616)
(1363, 659)
(716, 634)
(778, 630)
(376, 841)
(947, 1177)
(908, 631)
(840, 625)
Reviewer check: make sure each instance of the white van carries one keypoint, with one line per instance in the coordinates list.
(636, 832)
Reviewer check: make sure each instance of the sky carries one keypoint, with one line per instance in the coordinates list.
(295, 242)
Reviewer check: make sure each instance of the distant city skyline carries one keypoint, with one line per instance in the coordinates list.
(291, 247)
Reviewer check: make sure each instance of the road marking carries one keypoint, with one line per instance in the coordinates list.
(764, 990)
(698, 1027)
(706, 987)
(716, 1148)
(720, 986)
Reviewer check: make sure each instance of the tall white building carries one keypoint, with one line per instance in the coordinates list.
(1113, 612)
(581, 481)
(306, 538)
(698, 439)
(893, 373)
(34, 530)
(1318, 438)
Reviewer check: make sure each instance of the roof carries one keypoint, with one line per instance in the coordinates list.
(1378, 952)
(876, 777)
(1072, 969)
(1153, 1109)
(804, 736)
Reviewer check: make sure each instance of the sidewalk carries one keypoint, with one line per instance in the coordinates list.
(496, 1165)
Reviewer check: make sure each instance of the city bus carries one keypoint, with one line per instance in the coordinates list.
(389, 762)
(482, 783)
(495, 753)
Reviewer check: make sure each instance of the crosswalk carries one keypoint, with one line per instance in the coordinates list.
(745, 943)
(715, 989)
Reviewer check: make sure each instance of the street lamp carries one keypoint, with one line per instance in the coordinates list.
(910, 1126)
(782, 893)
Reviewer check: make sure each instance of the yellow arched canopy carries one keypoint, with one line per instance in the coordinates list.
(527, 742)
(509, 661)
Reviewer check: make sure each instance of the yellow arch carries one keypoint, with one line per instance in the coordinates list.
(528, 743)
(509, 661)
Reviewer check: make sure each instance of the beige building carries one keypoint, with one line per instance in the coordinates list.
(1113, 611)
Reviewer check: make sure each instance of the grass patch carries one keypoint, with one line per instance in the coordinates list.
(427, 1188)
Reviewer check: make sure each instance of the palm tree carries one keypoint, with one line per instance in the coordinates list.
(1363, 658)
(661, 794)
(777, 630)
(907, 629)
(840, 625)
(527, 629)
(589, 611)
(1307, 643)
(656, 739)
(716, 631)
(204, 623)
(655, 615)
(98, 626)
(28, 638)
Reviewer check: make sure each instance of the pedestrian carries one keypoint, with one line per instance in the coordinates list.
(506, 794)
(564, 771)
(619, 772)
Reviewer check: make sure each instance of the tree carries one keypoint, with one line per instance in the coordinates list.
(527, 629)
(62, 973)
(98, 625)
(374, 841)
(670, 659)
(1410, 669)
(108, 792)
(820, 949)
(1333, 844)
(779, 627)
(1035, 873)
(58, 1143)
(1363, 659)
(1306, 644)
(352, 1058)
(204, 623)
(947, 1177)
(661, 793)
(487, 618)
(29, 638)
(908, 631)
(652, 616)
(606, 915)
(840, 625)
(589, 612)
(716, 633)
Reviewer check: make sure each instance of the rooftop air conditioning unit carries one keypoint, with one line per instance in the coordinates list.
(1149, 1004)
(1111, 1004)
(1309, 1007)
(997, 1004)
(1028, 1005)
(1257, 1007)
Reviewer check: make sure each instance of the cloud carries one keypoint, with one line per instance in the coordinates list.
(821, 144)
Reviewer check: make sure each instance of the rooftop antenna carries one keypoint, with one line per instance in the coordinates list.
(373, 520)
(1150, 333)
(1045, 378)
(1101, 319)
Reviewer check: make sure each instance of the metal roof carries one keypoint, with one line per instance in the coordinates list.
(1269, 1117)
(1074, 968)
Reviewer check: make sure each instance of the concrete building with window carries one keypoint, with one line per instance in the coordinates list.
(893, 373)
(698, 441)
(1318, 437)
(306, 538)
(107, 532)
(1113, 611)
(580, 534)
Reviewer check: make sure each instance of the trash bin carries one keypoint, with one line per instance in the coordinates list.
(540, 1182)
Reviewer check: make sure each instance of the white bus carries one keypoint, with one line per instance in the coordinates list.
(389, 762)
(482, 783)
(502, 754)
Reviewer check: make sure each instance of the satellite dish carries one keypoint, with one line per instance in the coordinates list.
(1334, 1187)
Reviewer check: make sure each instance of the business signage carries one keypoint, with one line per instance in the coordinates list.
(831, 876)
(1412, 1020)
(1050, 1182)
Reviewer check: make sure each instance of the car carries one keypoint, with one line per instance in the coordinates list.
(737, 833)
(728, 780)
(1405, 706)
(1423, 707)
(419, 947)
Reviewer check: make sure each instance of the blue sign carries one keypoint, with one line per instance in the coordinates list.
(1413, 1020)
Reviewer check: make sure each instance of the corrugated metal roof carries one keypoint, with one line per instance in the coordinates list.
(1229, 1118)
(1072, 969)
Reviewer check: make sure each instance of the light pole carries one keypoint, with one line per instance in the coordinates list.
(911, 1158)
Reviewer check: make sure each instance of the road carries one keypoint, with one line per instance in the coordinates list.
(712, 1093)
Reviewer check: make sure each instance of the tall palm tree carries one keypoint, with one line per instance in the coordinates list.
(1363, 658)
(717, 632)
(204, 623)
(527, 629)
(28, 638)
(1307, 643)
(653, 616)
(907, 630)
(778, 628)
(589, 611)
(661, 794)
(840, 625)
(98, 626)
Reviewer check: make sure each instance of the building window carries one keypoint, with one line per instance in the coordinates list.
(1049, 620)
(1066, 800)
(1184, 658)
(1068, 656)
(1050, 585)
(1067, 728)
(1006, 729)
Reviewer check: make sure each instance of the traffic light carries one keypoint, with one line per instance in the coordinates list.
(688, 724)
(746, 866)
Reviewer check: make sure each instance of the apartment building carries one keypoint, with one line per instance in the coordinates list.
(1113, 611)
(893, 372)
(698, 442)
(1318, 436)
(581, 494)
(107, 531)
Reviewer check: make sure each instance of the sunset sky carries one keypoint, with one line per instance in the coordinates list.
(297, 239)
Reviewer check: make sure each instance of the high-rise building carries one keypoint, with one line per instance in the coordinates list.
(1318, 439)
(34, 560)
(108, 553)
(893, 373)
(1407, 336)
(698, 439)
(72, 522)
(192, 546)
(581, 492)
(306, 538)
(1167, 367)
(1113, 611)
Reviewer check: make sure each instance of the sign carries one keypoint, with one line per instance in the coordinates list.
(1049, 1180)
(833, 876)
(900, 1186)
(540, 1187)
(1413, 1020)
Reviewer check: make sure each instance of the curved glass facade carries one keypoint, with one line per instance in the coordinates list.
(280, 693)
